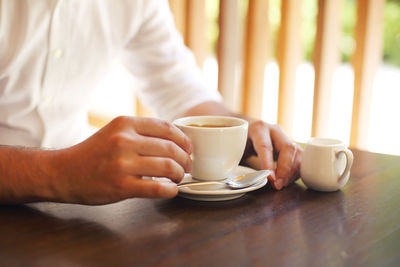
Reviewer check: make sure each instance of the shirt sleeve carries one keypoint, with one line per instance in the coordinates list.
(171, 83)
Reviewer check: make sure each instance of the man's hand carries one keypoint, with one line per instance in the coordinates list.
(109, 165)
(268, 142)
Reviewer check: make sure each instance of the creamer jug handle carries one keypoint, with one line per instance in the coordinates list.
(349, 162)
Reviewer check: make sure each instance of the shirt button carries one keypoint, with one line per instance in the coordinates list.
(58, 53)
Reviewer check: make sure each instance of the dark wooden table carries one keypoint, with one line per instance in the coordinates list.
(357, 226)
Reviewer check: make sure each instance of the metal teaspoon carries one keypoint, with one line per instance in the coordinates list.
(239, 182)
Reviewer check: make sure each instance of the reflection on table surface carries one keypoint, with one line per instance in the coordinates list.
(358, 225)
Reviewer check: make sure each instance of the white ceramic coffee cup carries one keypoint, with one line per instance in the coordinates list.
(216, 150)
(326, 164)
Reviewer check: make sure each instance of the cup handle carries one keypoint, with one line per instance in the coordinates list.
(349, 162)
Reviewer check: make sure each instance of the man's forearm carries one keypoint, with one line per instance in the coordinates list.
(25, 175)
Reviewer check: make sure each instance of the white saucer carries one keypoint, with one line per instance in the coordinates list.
(218, 192)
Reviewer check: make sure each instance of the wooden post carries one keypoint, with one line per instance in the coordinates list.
(178, 9)
(228, 53)
(196, 29)
(288, 54)
(326, 58)
(255, 57)
(366, 58)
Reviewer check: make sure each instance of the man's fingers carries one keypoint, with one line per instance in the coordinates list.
(295, 174)
(157, 167)
(156, 147)
(280, 139)
(261, 139)
(262, 144)
(289, 157)
(295, 171)
(135, 187)
(164, 130)
(285, 161)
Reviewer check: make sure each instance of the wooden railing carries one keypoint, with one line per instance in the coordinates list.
(256, 43)
(190, 20)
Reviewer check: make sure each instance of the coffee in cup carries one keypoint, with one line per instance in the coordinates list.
(218, 144)
(325, 164)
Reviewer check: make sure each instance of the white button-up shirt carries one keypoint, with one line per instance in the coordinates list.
(53, 53)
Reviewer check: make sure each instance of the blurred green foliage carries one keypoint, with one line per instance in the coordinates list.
(347, 42)
(212, 10)
(391, 32)
(391, 27)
